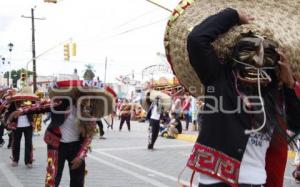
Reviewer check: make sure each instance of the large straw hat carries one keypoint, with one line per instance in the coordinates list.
(278, 20)
(7, 92)
(166, 100)
(25, 94)
(102, 100)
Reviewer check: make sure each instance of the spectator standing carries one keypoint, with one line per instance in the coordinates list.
(125, 113)
(176, 106)
(186, 108)
(154, 115)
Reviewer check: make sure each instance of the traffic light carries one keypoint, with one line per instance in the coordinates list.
(50, 1)
(67, 52)
(74, 49)
(23, 76)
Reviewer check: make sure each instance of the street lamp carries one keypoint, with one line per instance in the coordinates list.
(10, 46)
(3, 62)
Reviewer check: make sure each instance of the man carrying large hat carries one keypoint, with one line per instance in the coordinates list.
(4, 104)
(233, 61)
(3, 107)
(72, 126)
(20, 124)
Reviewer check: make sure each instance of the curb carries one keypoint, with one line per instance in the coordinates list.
(193, 138)
(187, 137)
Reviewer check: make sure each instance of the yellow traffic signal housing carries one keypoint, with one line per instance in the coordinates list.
(67, 52)
(50, 1)
(74, 49)
(23, 76)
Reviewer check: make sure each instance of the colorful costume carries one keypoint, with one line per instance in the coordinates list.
(66, 139)
(20, 123)
(240, 143)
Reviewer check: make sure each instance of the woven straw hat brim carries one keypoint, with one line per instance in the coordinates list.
(22, 97)
(7, 92)
(165, 99)
(277, 20)
(102, 101)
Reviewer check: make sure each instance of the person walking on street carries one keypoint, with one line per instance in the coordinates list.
(71, 129)
(20, 125)
(154, 115)
(100, 127)
(186, 109)
(125, 113)
(176, 106)
(2, 142)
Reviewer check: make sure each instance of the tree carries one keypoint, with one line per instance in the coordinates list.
(15, 75)
(89, 72)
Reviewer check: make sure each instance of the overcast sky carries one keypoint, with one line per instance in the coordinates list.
(128, 32)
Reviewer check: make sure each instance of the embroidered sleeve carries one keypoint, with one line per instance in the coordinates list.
(38, 108)
(84, 148)
(202, 55)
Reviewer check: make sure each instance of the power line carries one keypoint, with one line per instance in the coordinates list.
(133, 29)
(133, 19)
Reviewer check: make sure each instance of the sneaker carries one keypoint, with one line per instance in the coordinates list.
(14, 164)
(2, 143)
(29, 166)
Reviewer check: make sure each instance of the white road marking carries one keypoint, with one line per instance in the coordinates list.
(288, 178)
(11, 178)
(143, 178)
(142, 147)
(143, 168)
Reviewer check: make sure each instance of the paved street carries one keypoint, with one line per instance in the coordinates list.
(120, 160)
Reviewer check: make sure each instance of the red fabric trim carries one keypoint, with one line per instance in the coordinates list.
(297, 88)
(11, 126)
(215, 164)
(110, 90)
(69, 83)
(276, 157)
(52, 139)
(52, 167)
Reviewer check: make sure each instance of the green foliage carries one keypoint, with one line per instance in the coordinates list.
(16, 74)
(89, 72)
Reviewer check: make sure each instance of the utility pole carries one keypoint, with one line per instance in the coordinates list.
(105, 70)
(33, 47)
